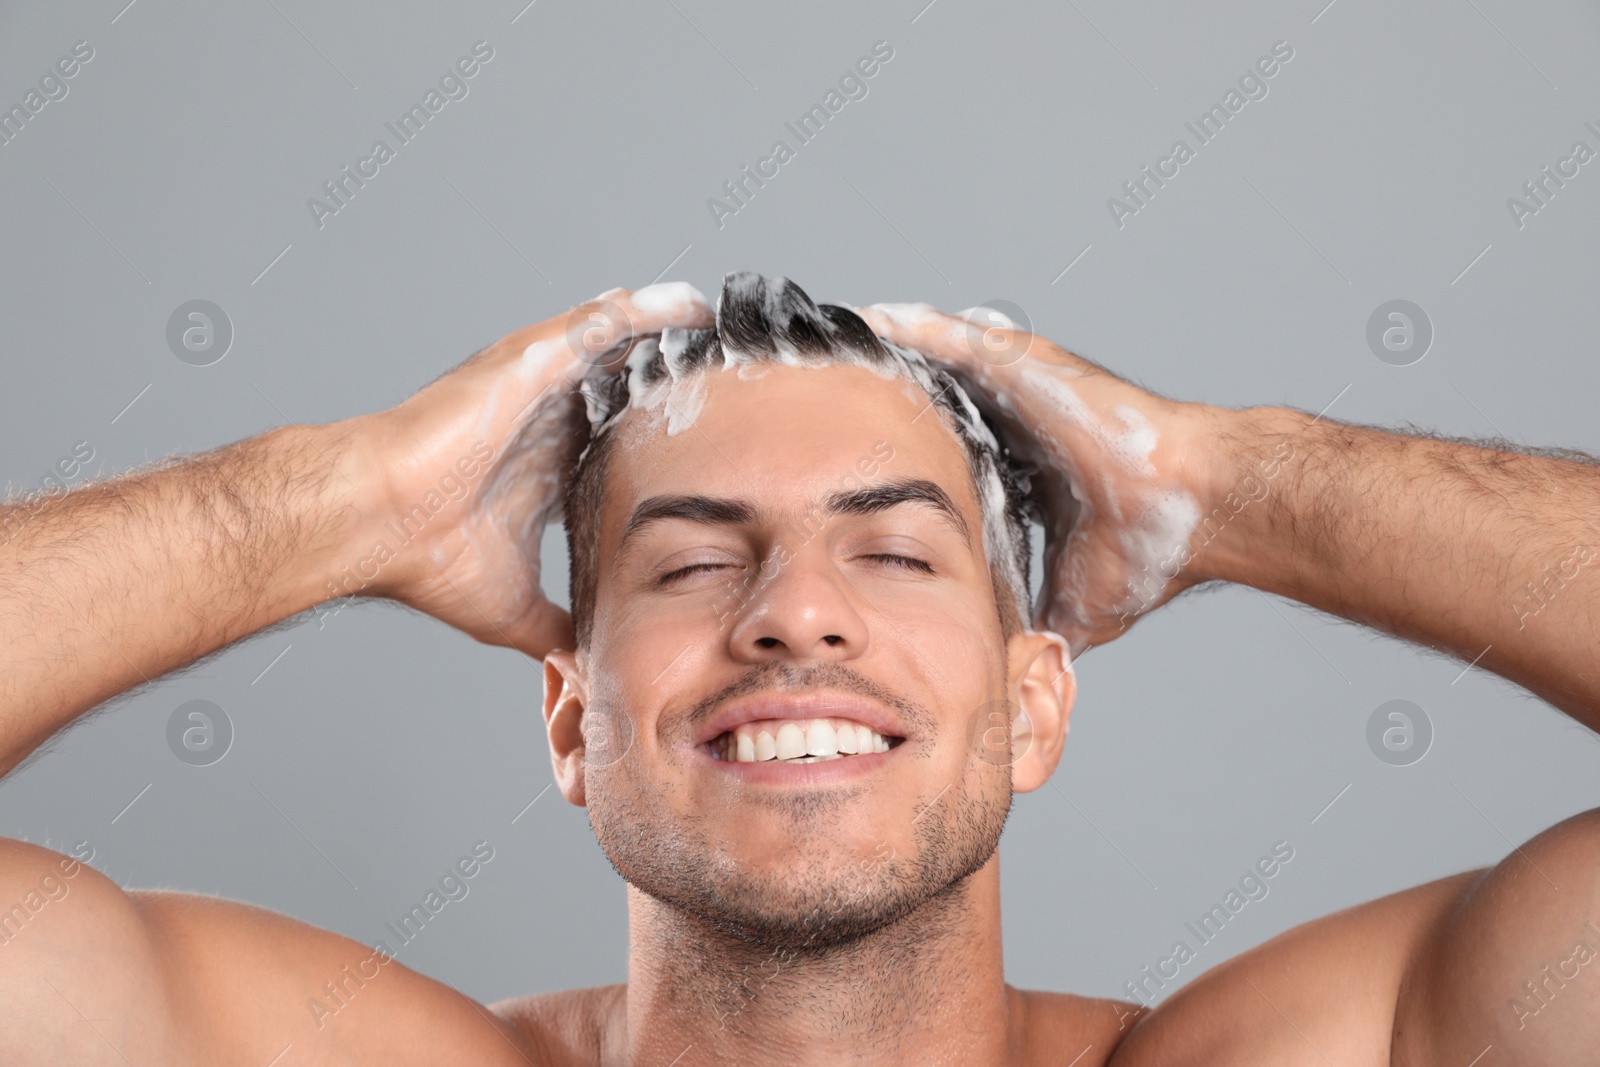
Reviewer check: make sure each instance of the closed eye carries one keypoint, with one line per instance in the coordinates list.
(684, 572)
(910, 563)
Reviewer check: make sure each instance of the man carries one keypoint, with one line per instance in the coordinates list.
(797, 692)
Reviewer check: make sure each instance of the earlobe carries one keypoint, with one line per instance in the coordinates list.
(565, 698)
(1044, 688)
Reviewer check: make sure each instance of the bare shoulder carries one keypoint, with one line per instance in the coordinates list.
(1514, 963)
(1504, 959)
(75, 948)
(568, 1027)
(1324, 991)
(260, 978)
(181, 978)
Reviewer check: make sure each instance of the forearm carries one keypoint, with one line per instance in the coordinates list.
(116, 583)
(1490, 555)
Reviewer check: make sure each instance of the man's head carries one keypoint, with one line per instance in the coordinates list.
(785, 519)
(764, 322)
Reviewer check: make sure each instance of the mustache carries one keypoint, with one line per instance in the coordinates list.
(789, 678)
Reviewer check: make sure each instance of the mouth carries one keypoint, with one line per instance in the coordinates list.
(799, 741)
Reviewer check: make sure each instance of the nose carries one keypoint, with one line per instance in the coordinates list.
(803, 610)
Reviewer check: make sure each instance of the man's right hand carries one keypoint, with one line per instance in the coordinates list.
(438, 502)
(472, 469)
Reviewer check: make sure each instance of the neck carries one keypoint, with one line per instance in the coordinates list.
(929, 988)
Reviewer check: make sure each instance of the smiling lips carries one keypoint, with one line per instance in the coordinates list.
(797, 741)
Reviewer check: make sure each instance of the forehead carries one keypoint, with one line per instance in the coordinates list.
(783, 436)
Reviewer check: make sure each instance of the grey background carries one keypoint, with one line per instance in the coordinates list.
(372, 749)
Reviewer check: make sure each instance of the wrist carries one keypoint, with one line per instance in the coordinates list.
(409, 497)
(335, 490)
(1246, 476)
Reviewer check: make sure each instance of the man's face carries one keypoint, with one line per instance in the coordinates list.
(745, 581)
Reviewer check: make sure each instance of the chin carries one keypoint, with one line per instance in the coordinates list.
(800, 910)
(817, 890)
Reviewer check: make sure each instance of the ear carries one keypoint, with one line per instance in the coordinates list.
(565, 698)
(1044, 687)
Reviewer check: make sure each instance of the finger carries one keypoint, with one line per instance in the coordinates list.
(597, 336)
(595, 333)
(976, 339)
(601, 332)
(921, 327)
(669, 304)
(972, 339)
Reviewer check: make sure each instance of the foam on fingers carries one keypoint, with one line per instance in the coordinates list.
(673, 302)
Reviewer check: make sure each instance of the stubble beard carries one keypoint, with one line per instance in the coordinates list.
(815, 901)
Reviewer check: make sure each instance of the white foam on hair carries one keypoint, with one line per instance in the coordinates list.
(675, 399)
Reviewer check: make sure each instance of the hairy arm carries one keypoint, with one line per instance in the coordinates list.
(437, 503)
(113, 584)
(1489, 553)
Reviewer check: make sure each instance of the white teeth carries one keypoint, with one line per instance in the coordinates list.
(821, 740)
(791, 742)
(797, 741)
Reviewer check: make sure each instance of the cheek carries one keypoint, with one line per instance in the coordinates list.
(952, 629)
(652, 642)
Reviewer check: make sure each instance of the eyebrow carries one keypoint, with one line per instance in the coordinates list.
(727, 511)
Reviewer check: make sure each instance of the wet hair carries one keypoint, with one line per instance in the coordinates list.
(772, 321)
